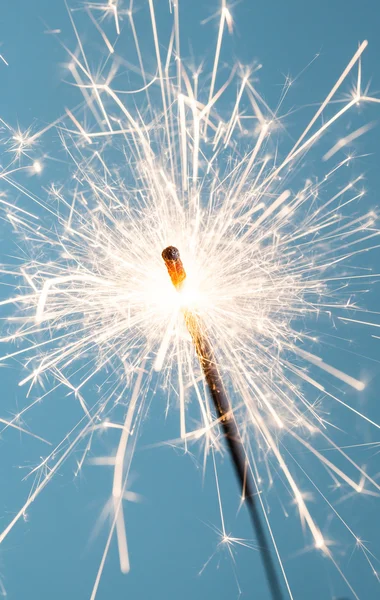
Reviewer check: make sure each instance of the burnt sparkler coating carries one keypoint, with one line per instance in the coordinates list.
(174, 265)
(223, 408)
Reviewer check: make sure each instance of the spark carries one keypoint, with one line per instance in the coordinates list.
(52, 31)
(37, 167)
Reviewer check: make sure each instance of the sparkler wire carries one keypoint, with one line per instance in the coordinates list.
(227, 420)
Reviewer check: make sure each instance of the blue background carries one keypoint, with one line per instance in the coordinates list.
(171, 532)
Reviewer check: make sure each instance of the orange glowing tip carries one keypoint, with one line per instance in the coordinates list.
(174, 266)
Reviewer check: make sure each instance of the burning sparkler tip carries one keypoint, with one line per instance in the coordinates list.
(170, 253)
(174, 265)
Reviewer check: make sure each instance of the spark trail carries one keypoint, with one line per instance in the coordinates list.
(275, 258)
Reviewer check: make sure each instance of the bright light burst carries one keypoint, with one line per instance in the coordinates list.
(269, 250)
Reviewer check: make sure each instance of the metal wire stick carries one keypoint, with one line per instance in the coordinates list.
(228, 424)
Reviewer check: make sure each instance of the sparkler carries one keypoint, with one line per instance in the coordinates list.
(268, 250)
(224, 411)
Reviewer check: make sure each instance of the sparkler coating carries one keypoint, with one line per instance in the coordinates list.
(174, 266)
(227, 420)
